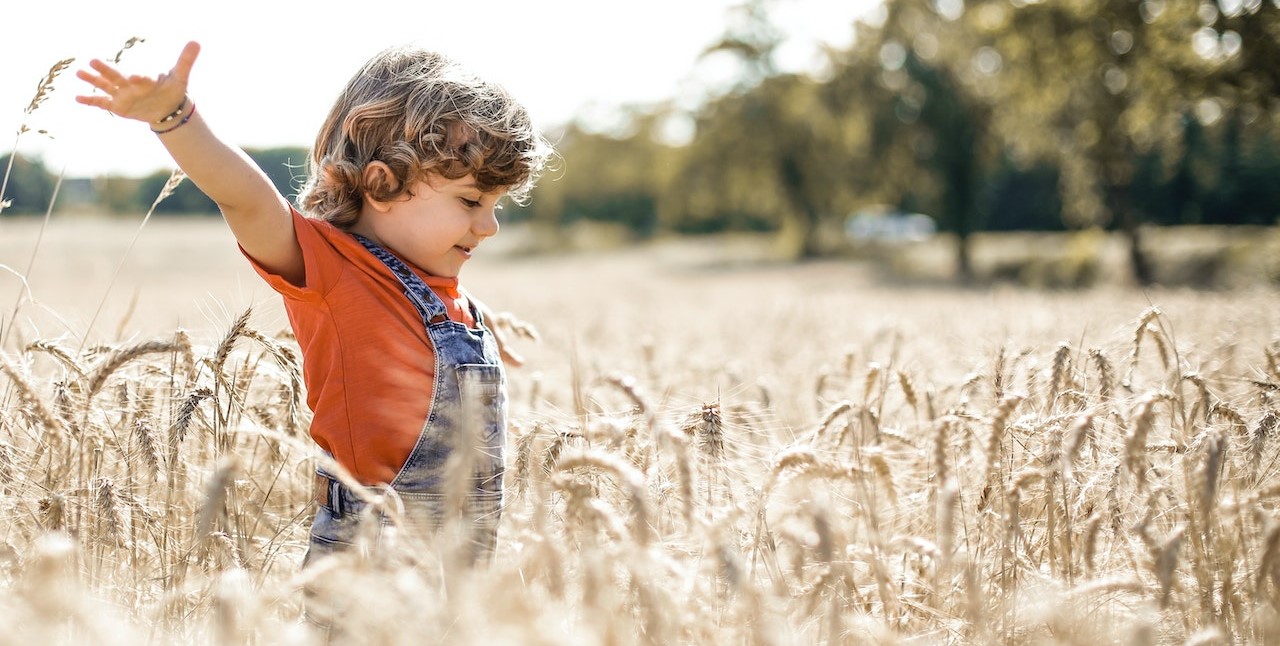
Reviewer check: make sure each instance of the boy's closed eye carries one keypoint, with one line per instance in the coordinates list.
(477, 203)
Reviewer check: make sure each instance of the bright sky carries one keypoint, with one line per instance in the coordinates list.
(269, 70)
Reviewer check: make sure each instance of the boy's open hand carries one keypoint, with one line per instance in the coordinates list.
(143, 98)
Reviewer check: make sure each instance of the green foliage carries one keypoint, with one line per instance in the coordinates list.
(30, 185)
(185, 200)
(1224, 175)
(604, 177)
(987, 114)
(930, 132)
(760, 156)
(1020, 198)
(285, 167)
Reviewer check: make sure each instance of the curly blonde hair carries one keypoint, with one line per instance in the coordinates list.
(420, 113)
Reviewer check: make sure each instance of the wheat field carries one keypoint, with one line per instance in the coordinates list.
(701, 451)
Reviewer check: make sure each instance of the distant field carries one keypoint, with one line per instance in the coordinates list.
(181, 272)
(706, 297)
(703, 450)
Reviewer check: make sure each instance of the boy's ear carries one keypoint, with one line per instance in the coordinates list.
(378, 180)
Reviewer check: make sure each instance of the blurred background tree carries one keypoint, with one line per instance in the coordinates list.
(285, 167)
(1094, 88)
(930, 139)
(985, 114)
(762, 154)
(30, 185)
(601, 176)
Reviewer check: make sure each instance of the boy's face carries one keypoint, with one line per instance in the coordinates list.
(437, 226)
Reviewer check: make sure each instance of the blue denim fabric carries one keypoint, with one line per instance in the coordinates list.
(468, 412)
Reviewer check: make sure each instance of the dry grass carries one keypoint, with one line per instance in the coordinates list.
(701, 451)
(698, 454)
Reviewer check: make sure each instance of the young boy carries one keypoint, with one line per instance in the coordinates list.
(404, 379)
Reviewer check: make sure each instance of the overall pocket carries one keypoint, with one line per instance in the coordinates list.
(340, 522)
(482, 398)
(331, 534)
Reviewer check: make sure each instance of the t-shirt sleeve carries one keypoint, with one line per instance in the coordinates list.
(322, 263)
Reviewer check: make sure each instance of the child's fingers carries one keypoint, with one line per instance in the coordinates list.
(94, 80)
(186, 60)
(98, 82)
(108, 73)
(95, 101)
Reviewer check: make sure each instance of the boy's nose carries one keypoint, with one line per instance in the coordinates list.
(486, 223)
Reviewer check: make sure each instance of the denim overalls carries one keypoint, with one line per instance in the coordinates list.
(468, 411)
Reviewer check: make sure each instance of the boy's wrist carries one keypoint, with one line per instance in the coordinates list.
(163, 122)
(175, 119)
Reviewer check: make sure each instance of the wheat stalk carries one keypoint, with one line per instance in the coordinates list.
(107, 507)
(215, 498)
(186, 413)
(128, 44)
(27, 392)
(995, 444)
(239, 328)
(119, 358)
(1269, 567)
(1165, 558)
(56, 351)
(1141, 423)
(1106, 374)
(1080, 430)
(628, 478)
(45, 87)
(830, 417)
(908, 389)
(143, 431)
(1061, 366)
(709, 431)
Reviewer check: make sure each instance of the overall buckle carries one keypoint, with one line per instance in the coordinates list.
(329, 493)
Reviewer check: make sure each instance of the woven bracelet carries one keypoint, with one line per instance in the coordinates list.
(184, 121)
(176, 113)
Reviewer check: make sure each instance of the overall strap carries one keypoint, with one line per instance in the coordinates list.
(475, 309)
(429, 306)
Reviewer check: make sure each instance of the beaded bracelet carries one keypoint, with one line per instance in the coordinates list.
(176, 113)
(184, 121)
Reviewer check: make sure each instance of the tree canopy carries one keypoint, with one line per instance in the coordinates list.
(1004, 114)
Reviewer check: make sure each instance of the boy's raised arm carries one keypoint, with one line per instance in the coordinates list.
(257, 213)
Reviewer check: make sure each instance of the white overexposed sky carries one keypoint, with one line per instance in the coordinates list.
(269, 70)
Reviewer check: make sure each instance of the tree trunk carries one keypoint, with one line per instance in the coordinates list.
(803, 211)
(1139, 265)
(960, 209)
(964, 258)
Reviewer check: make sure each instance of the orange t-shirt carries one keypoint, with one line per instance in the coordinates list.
(368, 364)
